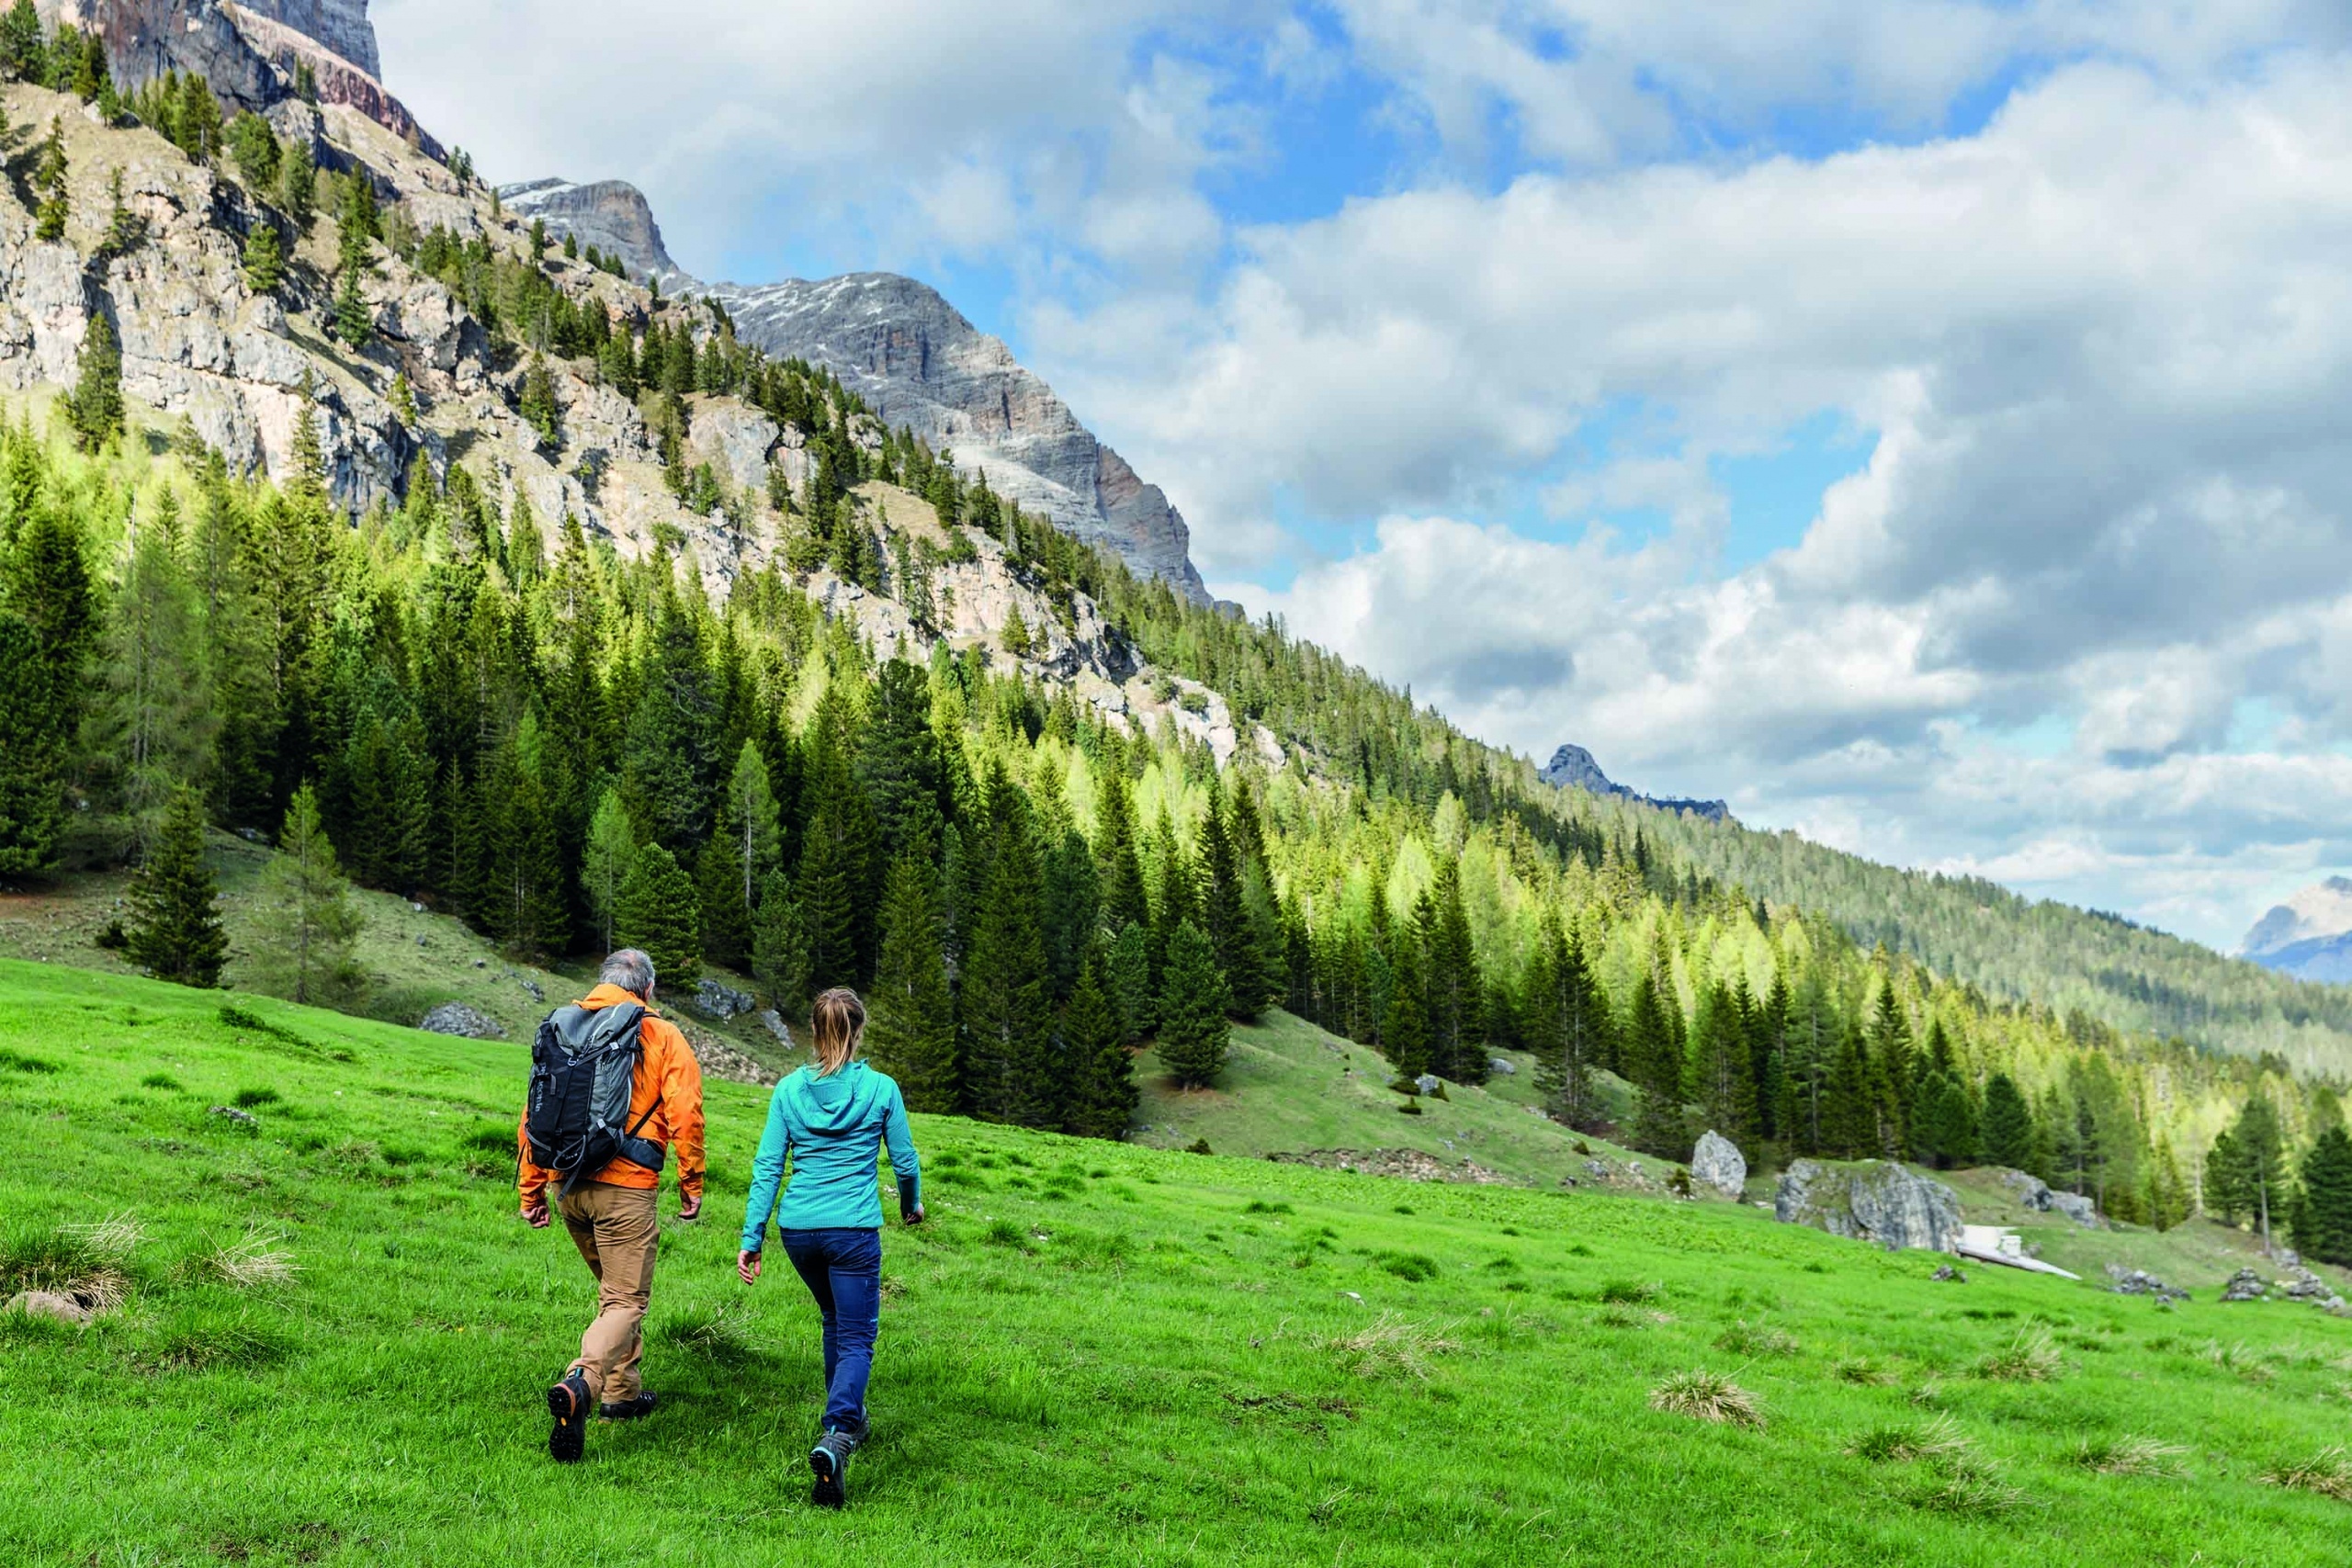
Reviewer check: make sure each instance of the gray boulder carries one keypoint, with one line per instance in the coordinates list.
(2041, 1197)
(1876, 1200)
(49, 1304)
(715, 1000)
(457, 1019)
(1716, 1162)
(2245, 1285)
(1502, 1066)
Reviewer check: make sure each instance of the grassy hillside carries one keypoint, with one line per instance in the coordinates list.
(1098, 1353)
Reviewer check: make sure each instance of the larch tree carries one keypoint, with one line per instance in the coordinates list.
(305, 941)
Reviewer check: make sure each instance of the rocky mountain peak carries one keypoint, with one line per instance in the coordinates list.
(611, 215)
(2309, 936)
(1572, 767)
(918, 362)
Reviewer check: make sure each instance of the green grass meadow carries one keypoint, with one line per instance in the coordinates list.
(1096, 1353)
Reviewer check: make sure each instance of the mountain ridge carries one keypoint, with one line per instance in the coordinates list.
(1573, 767)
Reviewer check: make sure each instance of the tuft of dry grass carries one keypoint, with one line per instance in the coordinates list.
(1707, 1396)
(1970, 1491)
(2329, 1474)
(2030, 1356)
(108, 1241)
(1762, 1339)
(1862, 1369)
(2236, 1357)
(2129, 1455)
(1393, 1346)
(253, 1262)
(1939, 1441)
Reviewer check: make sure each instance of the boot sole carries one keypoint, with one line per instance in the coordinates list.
(827, 1493)
(569, 1438)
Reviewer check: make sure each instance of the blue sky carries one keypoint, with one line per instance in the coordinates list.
(1920, 422)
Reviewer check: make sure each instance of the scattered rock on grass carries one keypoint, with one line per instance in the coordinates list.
(2043, 1199)
(231, 1113)
(1875, 1201)
(2245, 1285)
(49, 1304)
(1949, 1275)
(2140, 1282)
(457, 1019)
(722, 1003)
(1716, 1162)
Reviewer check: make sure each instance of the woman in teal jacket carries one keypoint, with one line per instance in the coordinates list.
(830, 1122)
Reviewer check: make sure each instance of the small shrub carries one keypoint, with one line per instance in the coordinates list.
(113, 939)
(1259, 1206)
(2030, 1356)
(1582, 1147)
(1199, 1147)
(1762, 1339)
(164, 1081)
(250, 1098)
(1403, 1209)
(1628, 1292)
(1939, 1441)
(1707, 1396)
(2329, 1474)
(2129, 1455)
(1414, 1268)
(1393, 1347)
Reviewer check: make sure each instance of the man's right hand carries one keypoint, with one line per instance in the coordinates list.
(537, 1213)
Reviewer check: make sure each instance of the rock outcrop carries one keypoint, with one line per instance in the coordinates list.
(2043, 1199)
(1717, 1163)
(2309, 936)
(918, 362)
(457, 1019)
(1876, 1200)
(1572, 767)
(611, 215)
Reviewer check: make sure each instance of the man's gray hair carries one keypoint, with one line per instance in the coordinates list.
(630, 970)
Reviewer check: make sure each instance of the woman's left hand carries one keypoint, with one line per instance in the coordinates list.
(747, 1263)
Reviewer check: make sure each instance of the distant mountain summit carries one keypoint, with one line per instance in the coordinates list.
(919, 363)
(2309, 936)
(1572, 767)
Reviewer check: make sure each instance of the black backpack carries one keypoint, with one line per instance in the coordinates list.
(583, 1067)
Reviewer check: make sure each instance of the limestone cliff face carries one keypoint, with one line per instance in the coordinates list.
(611, 215)
(249, 52)
(915, 359)
(918, 362)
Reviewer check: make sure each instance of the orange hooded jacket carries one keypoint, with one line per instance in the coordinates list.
(667, 1068)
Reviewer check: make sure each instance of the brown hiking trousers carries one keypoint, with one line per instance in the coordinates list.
(617, 1232)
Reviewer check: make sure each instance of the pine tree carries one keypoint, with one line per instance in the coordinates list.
(1005, 1003)
(753, 835)
(911, 1034)
(32, 755)
(1455, 989)
(152, 727)
(726, 918)
(830, 881)
(1849, 1112)
(1568, 1026)
(176, 931)
(2007, 1126)
(1725, 1089)
(305, 942)
(355, 324)
(2168, 1202)
(2324, 1217)
(611, 850)
(1017, 640)
(1653, 1061)
(658, 915)
(1193, 1033)
(1103, 1096)
(780, 948)
(1125, 902)
(265, 257)
(94, 406)
(1127, 979)
(24, 50)
(297, 180)
(2245, 1174)
(49, 180)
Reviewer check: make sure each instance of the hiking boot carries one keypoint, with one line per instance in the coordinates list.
(830, 1462)
(628, 1409)
(568, 1402)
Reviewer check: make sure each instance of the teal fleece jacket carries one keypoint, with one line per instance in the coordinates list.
(830, 1129)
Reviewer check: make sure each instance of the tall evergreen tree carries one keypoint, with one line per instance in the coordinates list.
(1193, 1034)
(1455, 989)
(658, 915)
(1653, 1060)
(1103, 1095)
(2168, 1202)
(1005, 1006)
(899, 763)
(1569, 1025)
(611, 850)
(32, 755)
(95, 407)
(1404, 1017)
(1125, 902)
(49, 183)
(727, 935)
(911, 1034)
(175, 931)
(2008, 1124)
(1850, 1112)
(1127, 980)
(780, 948)
(306, 945)
(1724, 1090)
(2246, 1173)
(2323, 1216)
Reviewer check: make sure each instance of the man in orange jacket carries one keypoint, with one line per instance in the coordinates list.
(611, 1214)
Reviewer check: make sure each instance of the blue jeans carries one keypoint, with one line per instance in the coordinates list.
(842, 1268)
